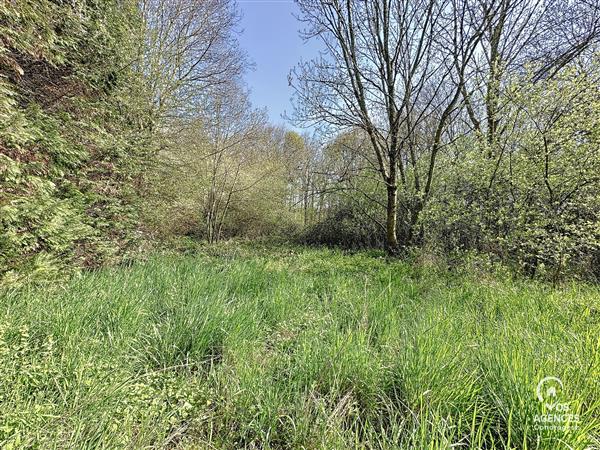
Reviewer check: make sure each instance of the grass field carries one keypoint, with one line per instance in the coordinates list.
(297, 348)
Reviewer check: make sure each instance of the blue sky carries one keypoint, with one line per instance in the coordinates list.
(270, 37)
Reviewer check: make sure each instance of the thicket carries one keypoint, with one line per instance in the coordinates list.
(461, 127)
(533, 200)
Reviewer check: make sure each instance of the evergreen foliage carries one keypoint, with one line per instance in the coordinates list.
(70, 136)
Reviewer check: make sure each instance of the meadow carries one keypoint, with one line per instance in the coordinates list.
(291, 347)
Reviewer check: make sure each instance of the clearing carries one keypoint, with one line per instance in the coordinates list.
(297, 348)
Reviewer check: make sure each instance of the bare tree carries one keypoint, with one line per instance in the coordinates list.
(539, 35)
(190, 46)
(396, 70)
(234, 130)
(301, 157)
(226, 157)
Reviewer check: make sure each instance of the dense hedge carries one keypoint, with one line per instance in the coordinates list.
(70, 138)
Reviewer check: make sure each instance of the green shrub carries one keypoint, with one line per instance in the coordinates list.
(345, 228)
(534, 203)
(70, 154)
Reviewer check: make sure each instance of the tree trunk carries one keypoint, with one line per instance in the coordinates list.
(391, 243)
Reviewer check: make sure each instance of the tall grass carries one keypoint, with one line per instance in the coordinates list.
(295, 348)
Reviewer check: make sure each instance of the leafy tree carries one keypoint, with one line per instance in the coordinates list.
(538, 204)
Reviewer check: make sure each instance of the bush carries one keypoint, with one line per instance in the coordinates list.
(532, 202)
(345, 228)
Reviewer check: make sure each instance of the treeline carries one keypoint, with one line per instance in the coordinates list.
(455, 127)
(89, 93)
(463, 127)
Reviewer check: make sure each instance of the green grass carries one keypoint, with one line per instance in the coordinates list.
(294, 348)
